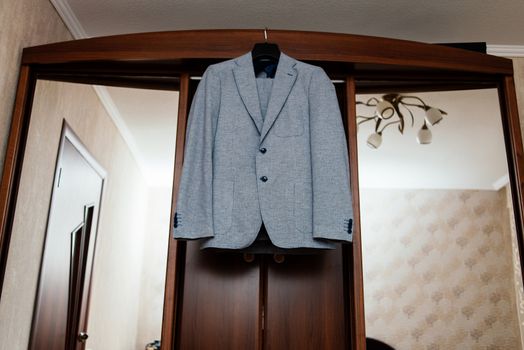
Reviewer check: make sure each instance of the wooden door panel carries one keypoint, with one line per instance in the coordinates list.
(80, 244)
(60, 311)
(305, 306)
(220, 301)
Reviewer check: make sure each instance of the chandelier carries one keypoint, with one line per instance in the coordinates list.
(389, 111)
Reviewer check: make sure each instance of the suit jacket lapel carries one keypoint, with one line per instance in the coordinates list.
(247, 87)
(285, 77)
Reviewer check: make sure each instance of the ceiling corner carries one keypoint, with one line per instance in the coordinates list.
(501, 182)
(506, 50)
(127, 136)
(68, 16)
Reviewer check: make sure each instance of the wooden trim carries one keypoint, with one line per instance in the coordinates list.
(229, 43)
(356, 281)
(13, 162)
(401, 87)
(176, 249)
(165, 84)
(515, 156)
(131, 68)
(154, 69)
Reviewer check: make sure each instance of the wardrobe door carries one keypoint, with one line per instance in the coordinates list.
(220, 301)
(305, 307)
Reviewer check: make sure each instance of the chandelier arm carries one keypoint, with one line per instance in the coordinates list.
(373, 99)
(413, 105)
(401, 118)
(365, 119)
(377, 125)
(410, 114)
(424, 107)
(368, 102)
(416, 98)
(388, 124)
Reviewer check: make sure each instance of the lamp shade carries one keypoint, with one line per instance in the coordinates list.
(433, 116)
(374, 140)
(385, 109)
(424, 135)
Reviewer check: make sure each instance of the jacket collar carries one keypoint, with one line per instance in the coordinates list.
(283, 81)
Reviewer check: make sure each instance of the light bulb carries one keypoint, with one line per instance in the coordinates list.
(424, 135)
(433, 116)
(385, 109)
(374, 140)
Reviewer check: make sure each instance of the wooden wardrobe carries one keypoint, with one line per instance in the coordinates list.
(220, 300)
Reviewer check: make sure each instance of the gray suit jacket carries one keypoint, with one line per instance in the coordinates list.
(287, 167)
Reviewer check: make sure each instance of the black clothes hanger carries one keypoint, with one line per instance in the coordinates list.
(265, 57)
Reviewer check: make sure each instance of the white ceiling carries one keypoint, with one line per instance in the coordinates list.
(467, 151)
(494, 22)
(147, 119)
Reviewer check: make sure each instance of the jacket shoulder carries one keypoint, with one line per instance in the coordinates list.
(304, 69)
(222, 66)
(306, 66)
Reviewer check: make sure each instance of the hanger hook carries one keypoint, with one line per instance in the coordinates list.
(265, 34)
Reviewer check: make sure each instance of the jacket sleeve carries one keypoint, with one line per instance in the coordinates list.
(332, 200)
(193, 216)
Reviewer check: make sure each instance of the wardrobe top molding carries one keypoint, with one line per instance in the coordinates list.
(229, 43)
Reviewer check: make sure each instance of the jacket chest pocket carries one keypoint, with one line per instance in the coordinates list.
(289, 123)
(303, 207)
(222, 205)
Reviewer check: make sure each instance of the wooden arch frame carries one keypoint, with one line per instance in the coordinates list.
(165, 60)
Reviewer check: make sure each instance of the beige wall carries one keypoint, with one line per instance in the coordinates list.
(153, 273)
(509, 222)
(23, 23)
(438, 269)
(117, 268)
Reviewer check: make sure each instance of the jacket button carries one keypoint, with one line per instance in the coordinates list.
(263, 150)
(263, 178)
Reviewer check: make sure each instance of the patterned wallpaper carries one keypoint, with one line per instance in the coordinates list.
(438, 269)
(517, 271)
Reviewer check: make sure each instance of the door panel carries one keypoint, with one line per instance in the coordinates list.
(305, 306)
(220, 301)
(80, 239)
